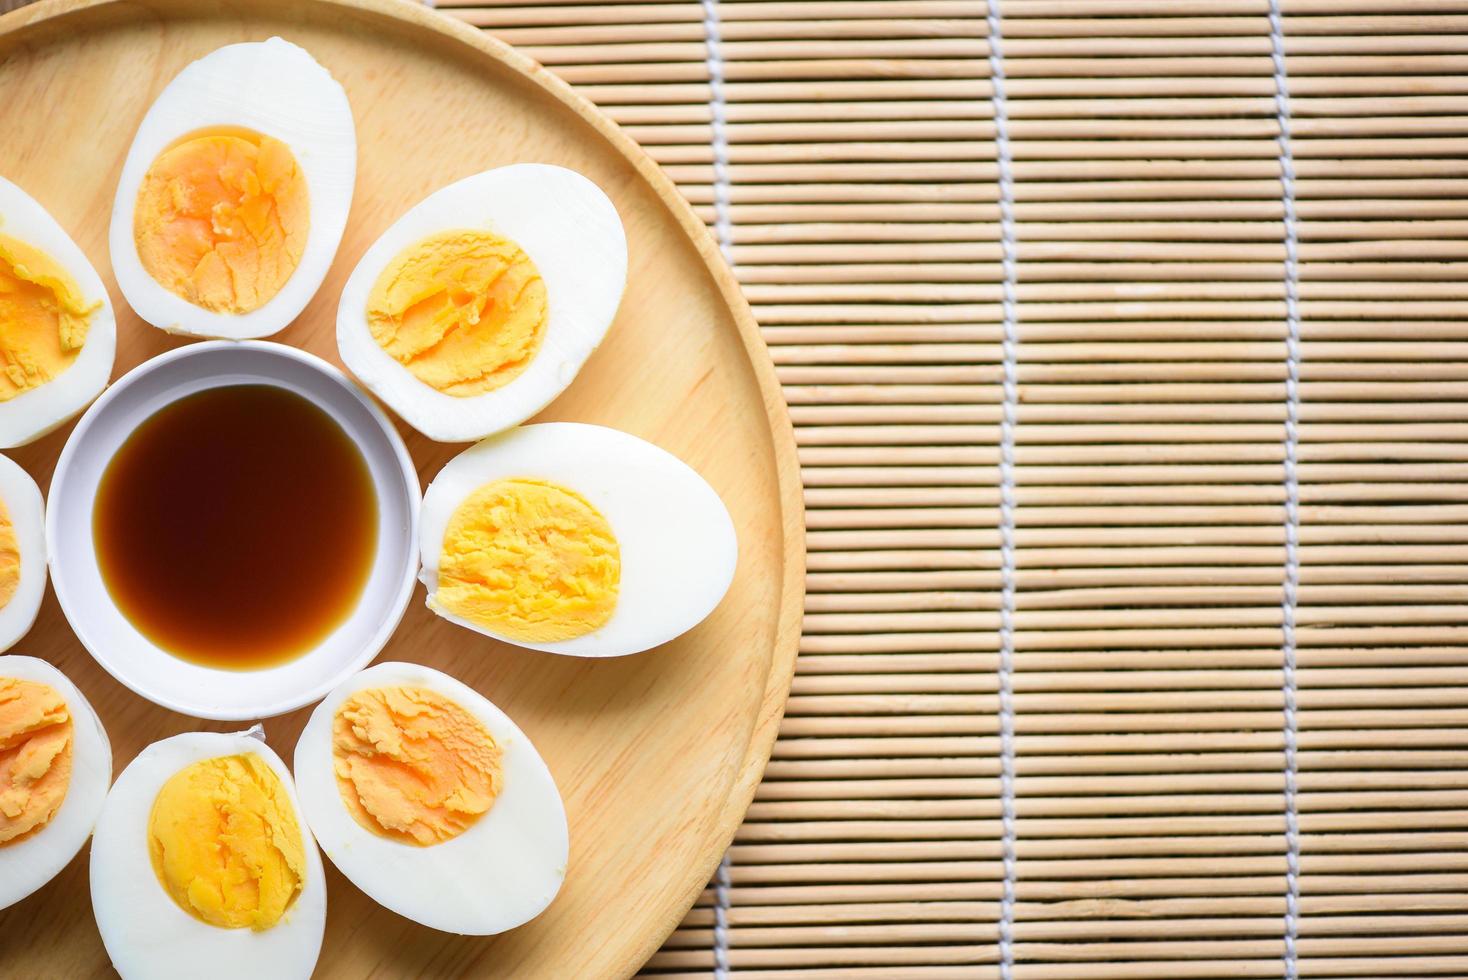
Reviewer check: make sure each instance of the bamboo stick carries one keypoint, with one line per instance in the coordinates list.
(1034, 111)
(953, 451)
(573, 12)
(1051, 175)
(793, 68)
(916, 972)
(837, 830)
(1016, 9)
(801, 725)
(896, 558)
(1057, 833)
(1041, 278)
(1141, 473)
(911, 933)
(1080, 585)
(1097, 273)
(1213, 967)
(1201, 739)
(687, 67)
(1108, 300)
(853, 912)
(1055, 424)
(1184, 26)
(762, 924)
(1376, 591)
(1082, 702)
(1030, 89)
(946, 683)
(1041, 238)
(974, 312)
(1060, 109)
(1035, 56)
(917, 426)
(883, 934)
(746, 959)
(744, 52)
(915, 496)
(1033, 678)
(834, 31)
(888, 747)
(1056, 259)
(695, 113)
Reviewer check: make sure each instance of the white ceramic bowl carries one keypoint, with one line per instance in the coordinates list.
(132, 658)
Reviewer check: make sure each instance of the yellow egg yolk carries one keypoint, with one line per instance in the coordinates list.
(464, 311)
(530, 561)
(413, 766)
(221, 220)
(43, 318)
(225, 842)
(9, 558)
(35, 756)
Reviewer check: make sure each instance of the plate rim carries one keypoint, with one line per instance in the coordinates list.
(789, 490)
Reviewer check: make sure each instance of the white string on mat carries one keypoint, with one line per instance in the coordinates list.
(1292, 494)
(714, 60)
(721, 920)
(1007, 423)
(724, 233)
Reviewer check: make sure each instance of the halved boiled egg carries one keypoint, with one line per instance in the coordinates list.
(202, 865)
(235, 193)
(55, 767)
(58, 335)
(575, 539)
(479, 305)
(432, 801)
(22, 552)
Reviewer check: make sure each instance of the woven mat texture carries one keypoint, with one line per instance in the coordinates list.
(1127, 348)
(1183, 480)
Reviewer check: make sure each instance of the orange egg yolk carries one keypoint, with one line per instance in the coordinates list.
(221, 220)
(412, 765)
(530, 561)
(225, 843)
(43, 318)
(464, 311)
(35, 756)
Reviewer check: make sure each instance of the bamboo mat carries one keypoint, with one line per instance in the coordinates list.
(1127, 347)
(1127, 350)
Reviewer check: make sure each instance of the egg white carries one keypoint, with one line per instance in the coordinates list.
(677, 541)
(498, 874)
(273, 88)
(28, 864)
(27, 512)
(146, 933)
(569, 229)
(34, 413)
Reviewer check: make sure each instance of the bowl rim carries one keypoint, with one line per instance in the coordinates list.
(405, 584)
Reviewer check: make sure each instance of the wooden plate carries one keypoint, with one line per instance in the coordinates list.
(657, 755)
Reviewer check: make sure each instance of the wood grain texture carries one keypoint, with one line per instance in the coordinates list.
(657, 755)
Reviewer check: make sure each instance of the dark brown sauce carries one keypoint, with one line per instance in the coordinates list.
(236, 527)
